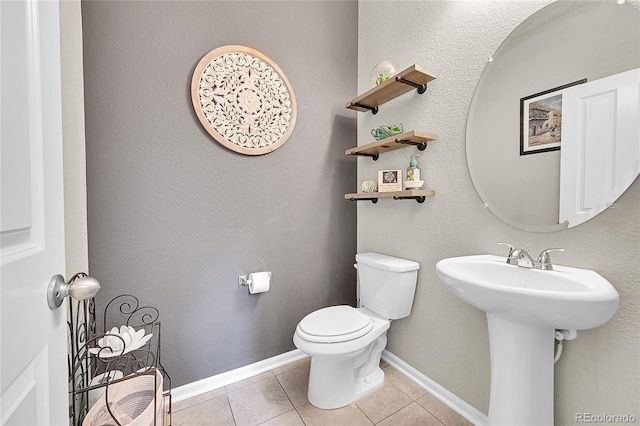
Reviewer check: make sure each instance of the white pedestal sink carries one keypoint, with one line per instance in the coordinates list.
(524, 308)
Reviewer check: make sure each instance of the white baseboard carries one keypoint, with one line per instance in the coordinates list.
(223, 379)
(454, 402)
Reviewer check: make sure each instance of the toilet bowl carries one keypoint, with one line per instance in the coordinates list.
(345, 343)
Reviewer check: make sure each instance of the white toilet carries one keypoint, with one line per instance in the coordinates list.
(345, 343)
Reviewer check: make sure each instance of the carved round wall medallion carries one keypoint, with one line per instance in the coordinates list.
(243, 99)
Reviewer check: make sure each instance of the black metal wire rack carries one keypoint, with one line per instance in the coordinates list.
(100, 360)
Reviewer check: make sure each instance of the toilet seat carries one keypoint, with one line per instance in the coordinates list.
(334, 324)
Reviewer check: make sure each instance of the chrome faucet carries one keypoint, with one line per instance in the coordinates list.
(518, 256)
(521, 257)
(544, 261)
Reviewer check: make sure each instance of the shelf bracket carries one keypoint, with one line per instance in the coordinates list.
(374, 110)
(420, 198)
(420, 145)
(421, 87)
(373, 200)
(364, 154)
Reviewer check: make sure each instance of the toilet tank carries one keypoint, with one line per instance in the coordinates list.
(387, 284)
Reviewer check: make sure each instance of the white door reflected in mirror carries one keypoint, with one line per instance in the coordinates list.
(600, 155)
(562, 43)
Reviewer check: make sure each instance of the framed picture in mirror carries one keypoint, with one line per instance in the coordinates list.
(541, 120)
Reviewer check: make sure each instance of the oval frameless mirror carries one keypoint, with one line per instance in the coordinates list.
(525, 106)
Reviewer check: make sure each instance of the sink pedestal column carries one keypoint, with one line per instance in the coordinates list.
(521, 373)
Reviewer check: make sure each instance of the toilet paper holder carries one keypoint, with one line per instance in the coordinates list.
(244, 280)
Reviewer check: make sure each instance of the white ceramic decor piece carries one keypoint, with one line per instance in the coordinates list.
(119, 342)
(413, 184)
(243, 99)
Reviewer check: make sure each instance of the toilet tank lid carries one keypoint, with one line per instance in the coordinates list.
(386, 263)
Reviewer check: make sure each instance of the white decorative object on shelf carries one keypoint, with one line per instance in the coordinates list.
(243, 99)
(122, 341)
(382, 72)
(369, 186)
(413, 184)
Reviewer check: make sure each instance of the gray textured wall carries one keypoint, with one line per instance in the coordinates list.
(174, 217)
(446, 338)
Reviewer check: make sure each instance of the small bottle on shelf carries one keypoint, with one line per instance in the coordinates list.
(413, 174)
(413, 171)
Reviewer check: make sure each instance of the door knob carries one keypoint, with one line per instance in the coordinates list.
(80, 287)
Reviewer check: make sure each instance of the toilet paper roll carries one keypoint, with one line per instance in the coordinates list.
(259, 282)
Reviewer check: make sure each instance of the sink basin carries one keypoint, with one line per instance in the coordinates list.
(524, 308)
(565, 298)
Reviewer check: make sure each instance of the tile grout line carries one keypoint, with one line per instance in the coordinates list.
(301, 419)
(363, 413)
(433, 414)
(395, 412)
(412, 401)
(226, 395)
(285, 392)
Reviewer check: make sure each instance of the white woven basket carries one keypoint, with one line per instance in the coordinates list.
(131, 402)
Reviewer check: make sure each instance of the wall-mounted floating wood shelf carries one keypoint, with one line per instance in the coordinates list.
(374, 149)
(413, 194)
(413, 77)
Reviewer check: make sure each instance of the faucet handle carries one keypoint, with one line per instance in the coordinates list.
(508, 245)
(510, 259)
(545, 261)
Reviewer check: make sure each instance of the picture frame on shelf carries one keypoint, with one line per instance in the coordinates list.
(389, 180)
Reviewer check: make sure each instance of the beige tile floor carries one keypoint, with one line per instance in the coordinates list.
(279, 397)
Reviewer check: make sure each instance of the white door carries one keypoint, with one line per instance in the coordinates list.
(600, 154)
(33, 365)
